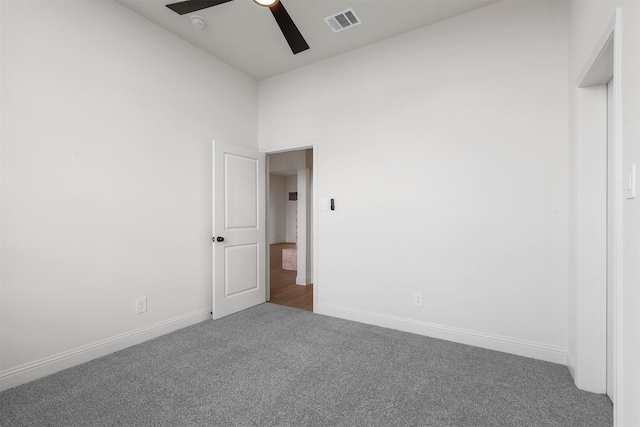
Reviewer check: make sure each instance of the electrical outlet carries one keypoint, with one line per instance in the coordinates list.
(417, 299)
(141, 305)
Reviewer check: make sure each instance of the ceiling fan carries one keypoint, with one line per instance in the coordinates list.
(286, 24)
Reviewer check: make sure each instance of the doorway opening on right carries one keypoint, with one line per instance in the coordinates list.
(290, 224)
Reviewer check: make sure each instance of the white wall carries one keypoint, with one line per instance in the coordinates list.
(446, 150)
(277, 209)
(291, 186)
(107, 123)
(588, 22)
(287, 163)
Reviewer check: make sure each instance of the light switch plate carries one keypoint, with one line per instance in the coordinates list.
(325, 204)
(631, 183)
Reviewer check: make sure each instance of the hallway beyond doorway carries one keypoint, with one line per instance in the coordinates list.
(284, 290)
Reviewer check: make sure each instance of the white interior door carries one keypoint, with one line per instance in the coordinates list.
(239, 229)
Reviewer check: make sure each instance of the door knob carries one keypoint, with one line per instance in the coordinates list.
(220, 239)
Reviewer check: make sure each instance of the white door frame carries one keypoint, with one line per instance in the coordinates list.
(314, 213)
(589, 364)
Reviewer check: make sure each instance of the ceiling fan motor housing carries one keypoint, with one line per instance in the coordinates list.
(267, 3)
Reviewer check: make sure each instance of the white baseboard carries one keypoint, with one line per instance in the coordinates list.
(478, 339)
(41, 368)
(303, 281)
(571, 365)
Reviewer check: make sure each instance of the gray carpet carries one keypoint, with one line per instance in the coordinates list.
(278, 366)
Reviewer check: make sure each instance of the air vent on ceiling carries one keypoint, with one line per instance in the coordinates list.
(343, 20)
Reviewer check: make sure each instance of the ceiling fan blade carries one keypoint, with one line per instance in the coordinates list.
(296, 42)
(189, 6)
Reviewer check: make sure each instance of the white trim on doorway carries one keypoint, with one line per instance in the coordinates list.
(587, 360)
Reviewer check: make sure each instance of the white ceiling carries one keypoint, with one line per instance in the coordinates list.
(247, 37)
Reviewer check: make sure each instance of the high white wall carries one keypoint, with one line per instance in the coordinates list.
(588, 23)
(107, 123)
(446, 150)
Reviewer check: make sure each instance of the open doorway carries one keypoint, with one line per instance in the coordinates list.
(289, 225)
(596, 361)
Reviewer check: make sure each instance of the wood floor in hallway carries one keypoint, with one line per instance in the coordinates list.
(284, 290)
